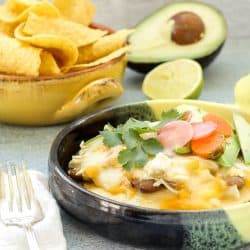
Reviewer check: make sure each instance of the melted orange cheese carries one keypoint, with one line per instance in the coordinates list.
(201, 183)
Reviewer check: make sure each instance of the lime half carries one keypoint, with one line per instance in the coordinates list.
(180, 79)
(241, 93)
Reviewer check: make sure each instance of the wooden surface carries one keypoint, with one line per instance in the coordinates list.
(33, 144)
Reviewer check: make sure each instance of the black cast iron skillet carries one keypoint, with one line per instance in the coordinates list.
(208, 229)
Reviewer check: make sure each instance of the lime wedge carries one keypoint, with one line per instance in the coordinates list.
(241, 93)
(182, 79)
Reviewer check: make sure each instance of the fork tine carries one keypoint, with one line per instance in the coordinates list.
(2, 189)
(16, 189)
(11, 187)
(28, 185)
(19, 188)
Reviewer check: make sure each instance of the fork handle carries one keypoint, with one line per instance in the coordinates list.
(31, 238)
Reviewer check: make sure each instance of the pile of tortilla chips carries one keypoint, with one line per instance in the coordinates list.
(40, 38)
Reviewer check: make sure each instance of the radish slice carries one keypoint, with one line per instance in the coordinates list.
(175, 134)
(203, 129)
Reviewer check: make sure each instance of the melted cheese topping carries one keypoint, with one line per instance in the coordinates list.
(201, 183)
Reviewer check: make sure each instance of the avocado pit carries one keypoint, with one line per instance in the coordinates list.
(188, 28)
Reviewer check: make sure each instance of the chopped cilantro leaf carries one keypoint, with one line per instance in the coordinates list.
(133, 123)
(140, 157)
(145, 130)
(169, 116)
(130, 138)
(135, 157)
(137, 149)
(152, 146)
(111, 138)
(128, 166)
(124, 156)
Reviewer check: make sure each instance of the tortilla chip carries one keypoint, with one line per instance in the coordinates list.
(45, 42)
(79, 34)
(43, 8)
(18, 58)
(6, 15)
(103, 46)
(113, 55)
(80, 11)
(7, 28)
(18, 6)
(48, 65)
(63, 49)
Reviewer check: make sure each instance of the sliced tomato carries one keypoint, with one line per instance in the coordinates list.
(224, 127)
(203, 129)
(175, 134)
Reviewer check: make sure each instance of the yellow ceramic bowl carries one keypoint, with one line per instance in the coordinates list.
(60, 99)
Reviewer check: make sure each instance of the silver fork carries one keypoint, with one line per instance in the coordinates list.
(18, 205)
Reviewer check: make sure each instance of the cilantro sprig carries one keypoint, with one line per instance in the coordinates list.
(138, 150)
(111, 138)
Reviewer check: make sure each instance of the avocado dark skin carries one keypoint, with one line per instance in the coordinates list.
(144, 68)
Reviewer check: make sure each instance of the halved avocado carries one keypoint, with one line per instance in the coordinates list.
(179, 30)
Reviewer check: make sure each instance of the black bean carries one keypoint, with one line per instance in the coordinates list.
(235, 180)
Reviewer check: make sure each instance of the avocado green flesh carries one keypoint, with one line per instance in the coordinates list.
(152, 42)
(183, 150)
(243, 132)
(230, 155)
